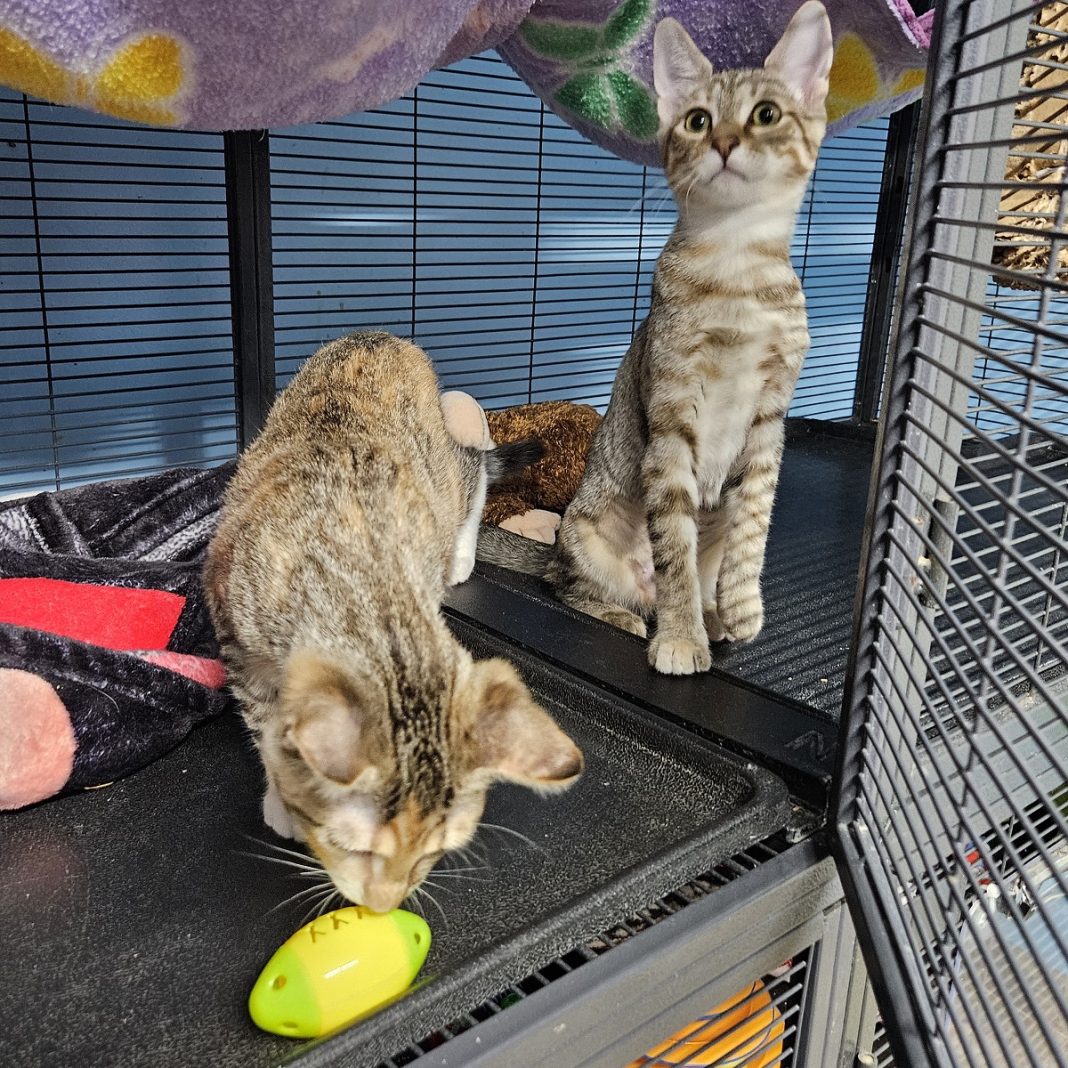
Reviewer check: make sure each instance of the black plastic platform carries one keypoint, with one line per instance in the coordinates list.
(810, 577)
(134, 926)
(776, 699)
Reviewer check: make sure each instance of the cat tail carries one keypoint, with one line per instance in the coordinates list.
(505, 549)
(503, 461)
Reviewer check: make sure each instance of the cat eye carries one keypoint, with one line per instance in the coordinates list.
(697, 121)
(765, 114)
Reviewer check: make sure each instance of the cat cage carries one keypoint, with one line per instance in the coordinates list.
(159, 287)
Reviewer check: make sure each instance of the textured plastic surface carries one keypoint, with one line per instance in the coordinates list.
(134, 925)
(810, 579)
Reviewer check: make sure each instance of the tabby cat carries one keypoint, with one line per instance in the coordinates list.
(675, 503)
(378, 732)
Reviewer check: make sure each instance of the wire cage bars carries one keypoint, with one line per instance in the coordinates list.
(953, 806)
(128, 351)
(759, 1026)
(156, 285)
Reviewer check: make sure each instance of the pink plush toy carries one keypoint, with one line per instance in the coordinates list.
(107, 656)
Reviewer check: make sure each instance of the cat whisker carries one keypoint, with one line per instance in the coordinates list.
(665, 196)
(324, 884)
(517, 834)
(470, 854)
(434, 886)
(104, 694)
(306, 857)
(689, 190)
(304, 869)
(326, 904)
(458, 875)
(293, 898)
(652, 190)
(473, 867)
(414, 902)
(317, 909)
(430, 897)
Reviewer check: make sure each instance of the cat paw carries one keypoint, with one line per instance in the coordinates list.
(626, 620)
(277, 816)
(678, 656)
(536, 524)
(713, 624)
(742, 616)
(462, 566)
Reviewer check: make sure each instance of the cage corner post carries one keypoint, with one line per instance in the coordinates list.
(888, 243)
(247, 155)
(909, 800)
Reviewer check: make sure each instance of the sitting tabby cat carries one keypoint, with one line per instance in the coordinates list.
(676, 498)
(379, 734)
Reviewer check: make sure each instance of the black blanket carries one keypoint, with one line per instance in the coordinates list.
(107, 656)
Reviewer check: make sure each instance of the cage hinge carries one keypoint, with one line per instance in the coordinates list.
(941, 527)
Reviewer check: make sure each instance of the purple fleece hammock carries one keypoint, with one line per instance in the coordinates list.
(255, 64)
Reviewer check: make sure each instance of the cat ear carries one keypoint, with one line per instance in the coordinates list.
(802, 58)
(514, 738)
(329, 725)
(679, 69)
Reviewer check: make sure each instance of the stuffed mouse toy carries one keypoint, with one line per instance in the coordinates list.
(531, 502)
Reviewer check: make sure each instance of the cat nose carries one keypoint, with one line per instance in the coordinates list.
(384, 897)
(726, 141)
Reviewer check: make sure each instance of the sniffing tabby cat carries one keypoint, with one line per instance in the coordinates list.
(379, 734)
(676, 499)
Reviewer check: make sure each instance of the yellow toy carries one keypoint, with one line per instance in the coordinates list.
(342, 966)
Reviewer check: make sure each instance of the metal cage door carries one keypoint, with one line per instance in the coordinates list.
(952, 790)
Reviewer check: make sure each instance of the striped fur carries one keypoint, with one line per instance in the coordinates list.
(339, 532)
(675, 503)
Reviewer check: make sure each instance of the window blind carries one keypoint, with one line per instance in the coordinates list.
(518, 254)
(115, 341)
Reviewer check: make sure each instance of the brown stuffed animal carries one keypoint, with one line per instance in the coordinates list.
(531, 503)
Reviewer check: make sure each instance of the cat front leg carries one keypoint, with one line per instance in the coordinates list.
(739, 601)
(712, 526)
(463, 560)
(669, 489)
(277, 816)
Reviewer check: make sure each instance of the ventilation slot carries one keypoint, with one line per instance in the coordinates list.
(787, 984)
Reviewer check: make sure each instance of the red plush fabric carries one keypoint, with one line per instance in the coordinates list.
(107, 655)
(112, 616)
(37, 742)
